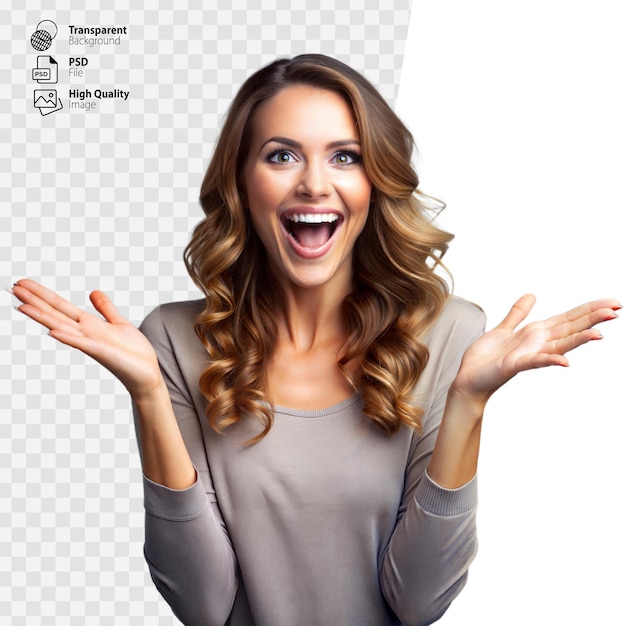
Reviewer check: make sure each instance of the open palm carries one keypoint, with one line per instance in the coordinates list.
(498, 355)
(113, 341)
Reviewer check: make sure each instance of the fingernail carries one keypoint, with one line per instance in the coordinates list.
(9, 290)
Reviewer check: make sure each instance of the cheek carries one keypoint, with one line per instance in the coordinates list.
(263, 191)
(366, 194)
(360, 193)
(262, 200)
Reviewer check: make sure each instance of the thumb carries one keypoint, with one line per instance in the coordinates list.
(518, 313)
(105, 307)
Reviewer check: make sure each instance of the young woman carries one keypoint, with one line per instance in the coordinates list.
(309, 430)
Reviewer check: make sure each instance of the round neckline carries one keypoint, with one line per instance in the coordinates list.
(330, 410)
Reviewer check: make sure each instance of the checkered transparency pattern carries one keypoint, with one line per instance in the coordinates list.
(107, 199)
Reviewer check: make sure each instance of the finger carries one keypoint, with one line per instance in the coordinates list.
(24, 287)
(518, 313)
(536, 361)
(581, 323)
(48, 318)
(39, 310)
(582, 310)
(105, 307)
(574, 341)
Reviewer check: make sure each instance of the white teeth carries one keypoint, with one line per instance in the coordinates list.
(313, 218)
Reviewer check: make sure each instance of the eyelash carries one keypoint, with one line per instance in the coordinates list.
(355, 157)
(271, 157)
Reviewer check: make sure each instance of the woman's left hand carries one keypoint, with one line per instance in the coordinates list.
(498, 355)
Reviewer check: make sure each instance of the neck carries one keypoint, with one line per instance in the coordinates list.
(312, 317)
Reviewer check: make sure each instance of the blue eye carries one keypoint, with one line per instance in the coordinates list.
(347, 157)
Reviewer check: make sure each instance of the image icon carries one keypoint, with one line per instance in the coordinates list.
(46, 101)
(47, 70)
(42, 38)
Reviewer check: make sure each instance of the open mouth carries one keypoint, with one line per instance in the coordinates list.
(311, 231)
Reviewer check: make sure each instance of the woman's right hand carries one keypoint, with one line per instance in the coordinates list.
(113, 341)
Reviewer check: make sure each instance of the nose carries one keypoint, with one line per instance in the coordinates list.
(314, 182)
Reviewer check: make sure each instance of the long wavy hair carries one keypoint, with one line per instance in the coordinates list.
(397, 293)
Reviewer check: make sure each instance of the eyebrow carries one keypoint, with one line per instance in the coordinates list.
(295, 144)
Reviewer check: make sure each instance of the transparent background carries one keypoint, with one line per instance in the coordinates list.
(106, 199)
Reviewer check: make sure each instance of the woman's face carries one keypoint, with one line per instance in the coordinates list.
(306, 186)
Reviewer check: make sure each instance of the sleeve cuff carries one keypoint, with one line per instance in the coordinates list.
(444, 502)
(177, 505)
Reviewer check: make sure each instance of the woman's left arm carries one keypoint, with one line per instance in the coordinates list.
(491, 361)
(426, 561)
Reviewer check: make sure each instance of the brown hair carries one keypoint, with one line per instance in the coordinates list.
(397, 295)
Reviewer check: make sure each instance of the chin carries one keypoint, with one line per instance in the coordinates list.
(315, 278)
(310, 281)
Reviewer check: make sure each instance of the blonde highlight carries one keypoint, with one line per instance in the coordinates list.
(397, 296)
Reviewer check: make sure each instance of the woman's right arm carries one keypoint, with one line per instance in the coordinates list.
(187, 548)
(120, 347)
(164, 457)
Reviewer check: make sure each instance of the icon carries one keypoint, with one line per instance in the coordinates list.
(42, 38)
(47, 70)
(46, 101)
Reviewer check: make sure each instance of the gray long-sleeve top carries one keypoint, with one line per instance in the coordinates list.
(327, 520)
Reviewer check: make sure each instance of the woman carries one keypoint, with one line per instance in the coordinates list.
(309, 430)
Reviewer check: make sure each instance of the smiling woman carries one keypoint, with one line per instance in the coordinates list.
(312, 137)
(306, 187)
(309, 429)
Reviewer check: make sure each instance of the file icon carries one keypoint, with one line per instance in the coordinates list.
(47, 70)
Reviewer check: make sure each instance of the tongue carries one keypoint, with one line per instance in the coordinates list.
(311, 235)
